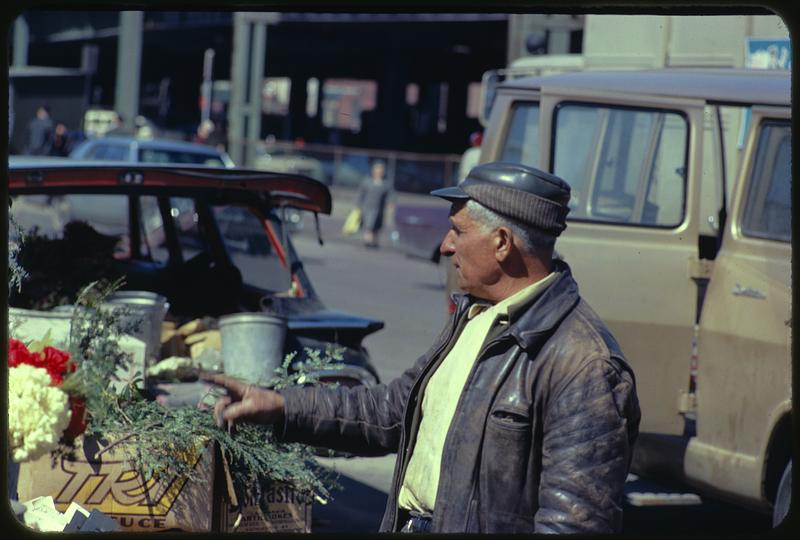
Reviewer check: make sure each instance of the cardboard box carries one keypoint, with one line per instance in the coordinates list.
(282, 510)
(172, 344)
(111, 485)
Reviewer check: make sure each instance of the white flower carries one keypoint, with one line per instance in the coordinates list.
(37, 413)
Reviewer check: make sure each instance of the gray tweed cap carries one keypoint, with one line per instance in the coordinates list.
(527, 195)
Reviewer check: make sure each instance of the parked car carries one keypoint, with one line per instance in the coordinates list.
(125, 148)
(176, 231)
(679, 236)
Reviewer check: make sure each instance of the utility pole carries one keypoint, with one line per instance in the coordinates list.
(247, 79)
(21, 40)
(208, 64)
(129, 64)
(20, 59)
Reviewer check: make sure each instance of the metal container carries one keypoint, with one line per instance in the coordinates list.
(148, 309)
(252, 345)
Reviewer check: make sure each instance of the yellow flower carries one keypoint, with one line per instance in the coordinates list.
(38, 413)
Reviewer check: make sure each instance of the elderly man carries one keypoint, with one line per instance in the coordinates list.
(521, 417)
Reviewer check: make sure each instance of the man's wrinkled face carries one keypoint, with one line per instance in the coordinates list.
(471, 248)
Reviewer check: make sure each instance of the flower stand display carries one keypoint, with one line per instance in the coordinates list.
(91, 447)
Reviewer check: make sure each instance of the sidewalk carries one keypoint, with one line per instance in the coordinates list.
(344, 200)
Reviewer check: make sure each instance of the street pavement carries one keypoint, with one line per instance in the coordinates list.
(408, 295)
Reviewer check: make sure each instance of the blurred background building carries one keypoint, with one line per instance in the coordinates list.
(326, 93)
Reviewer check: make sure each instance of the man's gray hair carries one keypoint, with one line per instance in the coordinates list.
(534, 241)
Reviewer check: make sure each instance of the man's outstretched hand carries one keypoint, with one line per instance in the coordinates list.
(244, 402)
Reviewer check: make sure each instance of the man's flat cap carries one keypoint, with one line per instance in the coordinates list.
(522, 193)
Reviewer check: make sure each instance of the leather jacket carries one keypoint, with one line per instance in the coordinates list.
(542, 436)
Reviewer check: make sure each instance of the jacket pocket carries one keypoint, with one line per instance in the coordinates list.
(505, 479)
(510, 418)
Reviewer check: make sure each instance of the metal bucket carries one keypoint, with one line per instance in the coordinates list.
(252, 345)
(148, 309)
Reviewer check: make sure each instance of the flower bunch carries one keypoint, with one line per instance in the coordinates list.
(39, 411)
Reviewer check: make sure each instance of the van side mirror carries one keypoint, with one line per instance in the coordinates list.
(489, 83)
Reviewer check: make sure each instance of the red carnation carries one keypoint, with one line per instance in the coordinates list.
(18, 353)
(55, 361)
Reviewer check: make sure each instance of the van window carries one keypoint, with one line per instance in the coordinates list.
(624, 165)
(768, 208)
(521, 144)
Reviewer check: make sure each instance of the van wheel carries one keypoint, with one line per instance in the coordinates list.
(783, 497)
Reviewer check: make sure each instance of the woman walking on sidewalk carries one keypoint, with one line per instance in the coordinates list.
(372, 197)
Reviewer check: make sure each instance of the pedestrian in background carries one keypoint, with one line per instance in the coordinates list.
(62, 141)
(471, 155)
(522, 416)
(207, 133)
(40, 133)
(204, 131)
(373, 196)
(117, 127)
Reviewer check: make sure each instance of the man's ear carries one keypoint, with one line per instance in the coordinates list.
(503, 243)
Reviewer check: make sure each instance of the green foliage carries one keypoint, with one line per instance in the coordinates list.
(16, 272)
(94, 344)
(304, 373)
(165, 441)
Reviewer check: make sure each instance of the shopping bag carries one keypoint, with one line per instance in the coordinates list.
(352, 223)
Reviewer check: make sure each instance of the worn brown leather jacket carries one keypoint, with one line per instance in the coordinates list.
(542, 437)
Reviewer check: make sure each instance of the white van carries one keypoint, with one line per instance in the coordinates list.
(679, 236)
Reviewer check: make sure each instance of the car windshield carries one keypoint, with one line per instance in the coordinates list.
(157, 155)
(249, 247)
(245, 238)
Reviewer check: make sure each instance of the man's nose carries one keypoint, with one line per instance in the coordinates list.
(447, 247)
